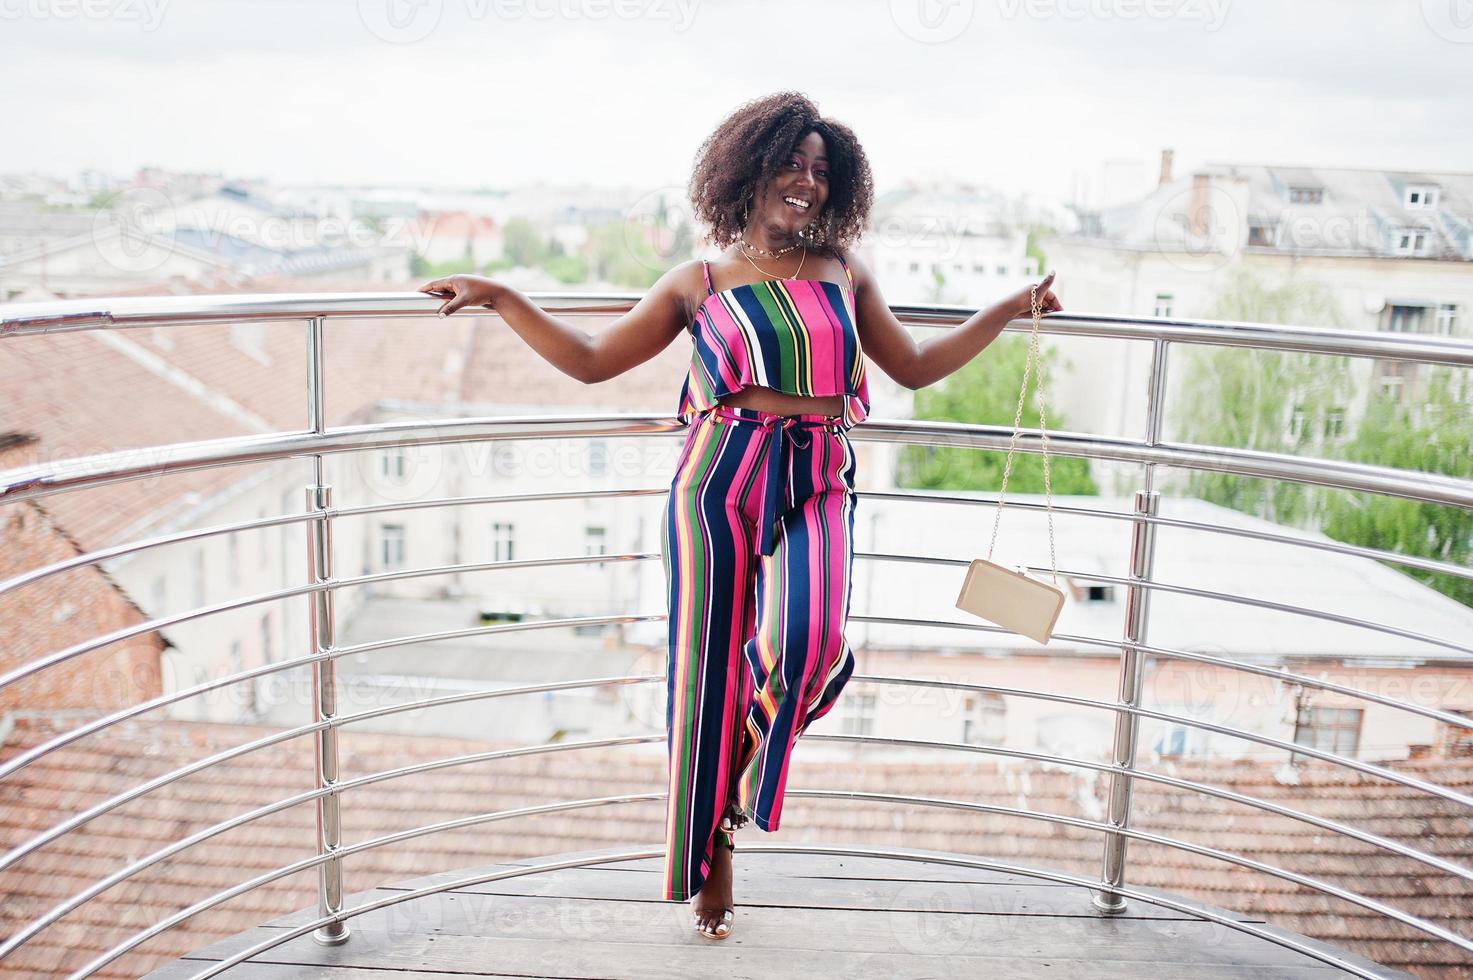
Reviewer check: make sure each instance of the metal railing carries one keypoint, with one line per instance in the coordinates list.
(317, 439)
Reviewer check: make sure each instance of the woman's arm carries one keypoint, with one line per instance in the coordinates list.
(632, 339)
(916, 365)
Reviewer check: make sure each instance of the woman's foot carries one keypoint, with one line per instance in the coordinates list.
(735, 818)
(711, 907)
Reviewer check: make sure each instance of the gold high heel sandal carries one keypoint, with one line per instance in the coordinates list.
(724, 838)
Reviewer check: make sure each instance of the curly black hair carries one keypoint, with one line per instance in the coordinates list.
(753, 143)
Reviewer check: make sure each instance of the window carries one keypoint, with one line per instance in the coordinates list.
(858, 715)
(503, 542)
(1419, 197)
(1296, 423)
(1002, 270)
(1172, 741)
(1334, 730)
(1447, 319)
(232, 547)
(595, 541)
(391, 546)
(983, 718)
(915, 267)
(980, 269)
(1306, 195)
(393, 464)
(598, 457)
(1099, 593)
(1265, 235)
(1334, 423)
(1393, 377)
(1405, 319)
(1163, 304)
(1409, 241)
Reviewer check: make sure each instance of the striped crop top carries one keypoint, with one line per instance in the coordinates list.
(793, 335)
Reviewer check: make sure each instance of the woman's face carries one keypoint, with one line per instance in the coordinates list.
(797, 193)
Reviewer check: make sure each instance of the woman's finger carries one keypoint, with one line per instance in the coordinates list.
(454, 304)
(435, 286)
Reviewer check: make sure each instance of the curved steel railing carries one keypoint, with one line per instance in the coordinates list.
(317, 439)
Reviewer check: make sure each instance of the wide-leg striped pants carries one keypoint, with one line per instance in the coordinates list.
(756, 621)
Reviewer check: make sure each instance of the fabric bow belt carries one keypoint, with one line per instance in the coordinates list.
(783, 433)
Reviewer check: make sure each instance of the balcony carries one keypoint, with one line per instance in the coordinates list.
(436, 840)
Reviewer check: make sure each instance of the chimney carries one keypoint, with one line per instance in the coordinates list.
(1165, 166)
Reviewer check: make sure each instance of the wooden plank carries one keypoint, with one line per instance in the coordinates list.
(724, 959)
(756, 889)
(606, 921)
(781, 864)
(553, 937)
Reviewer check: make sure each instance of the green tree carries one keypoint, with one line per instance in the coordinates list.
(420, 268)
(524, 244)
(1246, 398)
(1238, 397)
(1434, 437)
(985, 391)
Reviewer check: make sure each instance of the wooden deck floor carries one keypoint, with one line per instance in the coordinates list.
(798, 915)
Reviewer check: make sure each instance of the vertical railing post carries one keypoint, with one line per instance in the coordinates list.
(1137, 620)
(324, 672)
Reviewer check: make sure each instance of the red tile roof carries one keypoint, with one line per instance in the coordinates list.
(80, 395)
(71, 780)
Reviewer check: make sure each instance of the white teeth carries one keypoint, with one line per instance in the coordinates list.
(797, 203)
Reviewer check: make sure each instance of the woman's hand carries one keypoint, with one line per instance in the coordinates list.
(463, 291)
(1047, 301)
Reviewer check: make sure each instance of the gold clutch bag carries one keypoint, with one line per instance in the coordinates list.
(1010, 597)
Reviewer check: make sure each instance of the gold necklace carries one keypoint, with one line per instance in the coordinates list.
(769, 275)
(774, 254)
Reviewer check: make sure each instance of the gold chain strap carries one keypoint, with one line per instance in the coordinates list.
(1048, 491)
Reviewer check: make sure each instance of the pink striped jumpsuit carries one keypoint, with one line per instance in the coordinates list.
(758, 555)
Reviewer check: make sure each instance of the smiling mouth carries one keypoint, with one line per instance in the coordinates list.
(798, 204)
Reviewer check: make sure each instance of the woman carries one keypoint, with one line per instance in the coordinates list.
(759, 522)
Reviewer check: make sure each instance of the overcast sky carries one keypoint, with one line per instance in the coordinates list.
(1027, 96)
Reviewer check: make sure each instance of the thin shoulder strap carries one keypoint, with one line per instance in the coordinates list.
(846, 269)
(706, 271)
